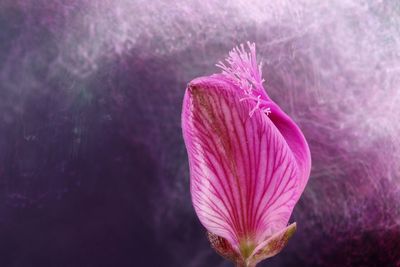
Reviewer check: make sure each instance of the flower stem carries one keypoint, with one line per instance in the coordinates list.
(245, 264)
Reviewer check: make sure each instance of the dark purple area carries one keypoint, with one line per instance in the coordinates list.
(93, 169)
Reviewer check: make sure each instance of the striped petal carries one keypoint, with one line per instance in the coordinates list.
(243, 174)
(248, 161)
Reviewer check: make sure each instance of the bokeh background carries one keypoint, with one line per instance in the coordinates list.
(93, 169)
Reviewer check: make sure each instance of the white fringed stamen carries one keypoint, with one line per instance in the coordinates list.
(242, 69)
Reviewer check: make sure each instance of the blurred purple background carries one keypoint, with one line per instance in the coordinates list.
(93, 169)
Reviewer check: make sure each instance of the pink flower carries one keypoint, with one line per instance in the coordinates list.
(249, 162)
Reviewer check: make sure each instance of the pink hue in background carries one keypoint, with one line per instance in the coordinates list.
(109, 76)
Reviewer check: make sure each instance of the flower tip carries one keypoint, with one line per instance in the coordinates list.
(193, 87)
(192, 84)
(197, 83)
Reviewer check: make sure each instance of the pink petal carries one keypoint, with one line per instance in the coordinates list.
(296, 142)
(249, 162)
(244, 176)
(242, 69)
